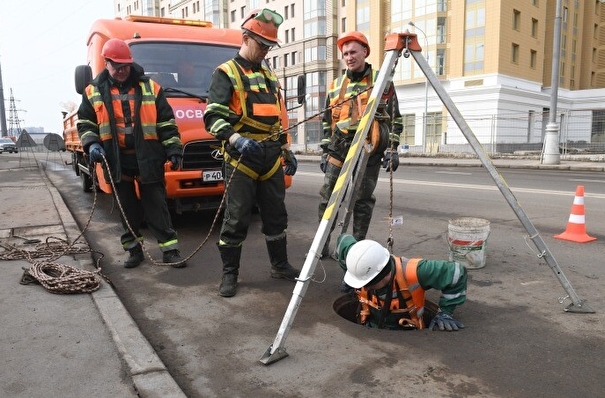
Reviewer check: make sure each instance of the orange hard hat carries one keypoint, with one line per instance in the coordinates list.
(117, 51)
(263, 24)
(353, 36)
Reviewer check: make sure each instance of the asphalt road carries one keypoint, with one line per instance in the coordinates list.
(518, 342)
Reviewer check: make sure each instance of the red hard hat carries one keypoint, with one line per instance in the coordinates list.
(117, 51)
(353, 36)
(263, 24)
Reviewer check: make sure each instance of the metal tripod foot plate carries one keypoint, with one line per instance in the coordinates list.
(269, 358)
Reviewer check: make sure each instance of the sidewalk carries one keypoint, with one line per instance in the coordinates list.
(87, 344)
(63, 345)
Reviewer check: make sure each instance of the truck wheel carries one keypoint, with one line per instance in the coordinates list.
(86, 182)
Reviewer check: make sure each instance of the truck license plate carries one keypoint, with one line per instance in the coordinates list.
(212, 175)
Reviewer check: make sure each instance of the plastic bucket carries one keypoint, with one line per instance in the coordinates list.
(467, 240)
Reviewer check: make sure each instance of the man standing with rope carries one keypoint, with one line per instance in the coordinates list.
(244, 111)
(125, 119)
(345, 103)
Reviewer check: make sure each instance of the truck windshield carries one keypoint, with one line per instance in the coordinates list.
(183, 66)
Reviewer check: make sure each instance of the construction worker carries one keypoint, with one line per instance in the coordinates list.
(345, 103)
(244, 111)
(391, 289)
(125, 118)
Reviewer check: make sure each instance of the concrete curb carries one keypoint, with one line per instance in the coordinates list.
(149, 374)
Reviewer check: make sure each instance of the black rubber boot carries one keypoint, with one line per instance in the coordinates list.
(173, 257)
(231, 256)
(135, 258)
(278, 254)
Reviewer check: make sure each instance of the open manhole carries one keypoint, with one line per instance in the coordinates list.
(347, 306)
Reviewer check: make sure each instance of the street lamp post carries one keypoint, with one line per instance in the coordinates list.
(426, 88)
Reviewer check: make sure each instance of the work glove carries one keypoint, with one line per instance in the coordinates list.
(445, 321)
(175, 161)
(386, 160)
(246, 146)
(291, 162)
(96, 152)
(323, 164)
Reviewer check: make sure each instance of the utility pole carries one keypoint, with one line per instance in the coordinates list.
(3, 129)
(551, 138)
(13, 118)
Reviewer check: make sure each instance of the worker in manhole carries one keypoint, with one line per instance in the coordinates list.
(391, 289)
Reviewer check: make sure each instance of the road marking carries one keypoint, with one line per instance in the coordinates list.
(454, 172)
(586, 180)
(473, 186)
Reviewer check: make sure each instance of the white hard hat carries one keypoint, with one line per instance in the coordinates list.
(365, 260)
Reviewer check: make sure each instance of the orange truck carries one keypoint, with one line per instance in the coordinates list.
(181, 55)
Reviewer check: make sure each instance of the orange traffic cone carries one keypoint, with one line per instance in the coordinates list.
(576, 226)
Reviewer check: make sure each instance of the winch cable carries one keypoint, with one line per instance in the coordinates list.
(53, 276)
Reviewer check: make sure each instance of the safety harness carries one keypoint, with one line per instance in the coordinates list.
(246, 122)
(346, 116)
(405, 303)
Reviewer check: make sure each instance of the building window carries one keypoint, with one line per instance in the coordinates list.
(343, 25)
(233, 16)
(516, 20)
(292, 10)
(515, 54)
(293, 55)
(474, 57)
(534, 28)
(440, 64)
(533, 59)
(293, 35)
(242, 12)
(408, 133)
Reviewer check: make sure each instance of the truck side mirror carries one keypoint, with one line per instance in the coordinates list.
(83, 77)
(302, 89)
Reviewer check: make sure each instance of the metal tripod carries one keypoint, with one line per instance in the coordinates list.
(395, 45)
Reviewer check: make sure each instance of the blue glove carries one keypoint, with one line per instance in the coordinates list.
(386, 160)
(175, 162)
(323, 165)
(445, 321)
(247, 146)
(96, 152)
(291, 162)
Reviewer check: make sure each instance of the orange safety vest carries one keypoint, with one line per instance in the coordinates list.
(147, 116)
(405, 286)
(346, 113)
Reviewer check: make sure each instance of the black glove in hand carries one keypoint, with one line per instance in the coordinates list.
(96, 153)
(247, 146)
(291, 162)
(390, 157)
(175, 162)
(445, 321)
(323, 165)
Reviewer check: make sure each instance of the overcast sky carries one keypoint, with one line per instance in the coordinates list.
(41, 43)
